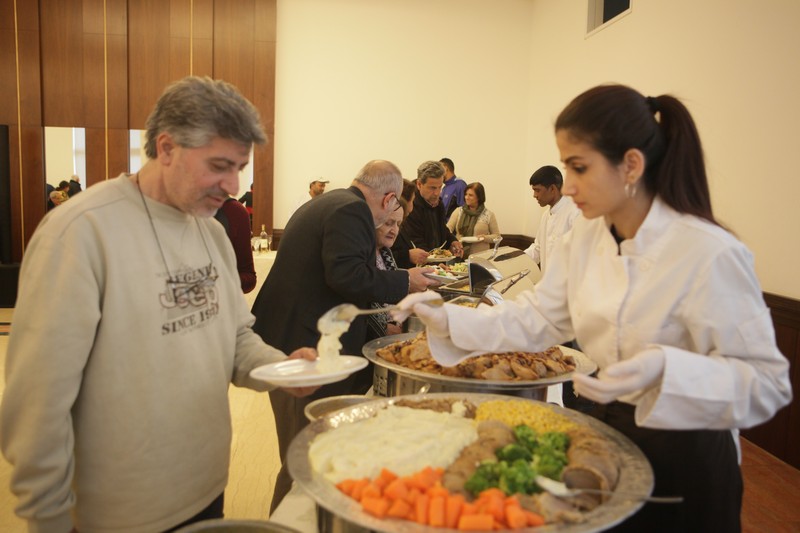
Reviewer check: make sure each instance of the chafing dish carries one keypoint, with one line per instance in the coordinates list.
(235, 526)
(494, 275)
(340, 514)
(390, 379)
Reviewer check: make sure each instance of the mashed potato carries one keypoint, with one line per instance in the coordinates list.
(329, 345)
(401, 439)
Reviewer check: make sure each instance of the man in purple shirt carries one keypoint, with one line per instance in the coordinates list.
(453, 190)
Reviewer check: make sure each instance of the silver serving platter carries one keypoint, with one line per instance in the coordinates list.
(583, 365)
(636, 475)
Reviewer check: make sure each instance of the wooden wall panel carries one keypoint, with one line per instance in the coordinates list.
(118, 152)
(780, 435)
(264, 83)
(203, 23)
(203, 57)
(94, 94)
(202, 52)
(234, 33)
(179, 58)
(26, 134)
(8, 63)
(117, 81)
(264, 157)
(32, 179)
(62, 63)
(30, 80)
(14, 155)
(180, 32)
(95, 155)
(148, 31)
(74, 65)
(105, 163)
(266, 18)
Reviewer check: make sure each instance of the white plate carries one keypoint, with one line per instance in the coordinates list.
(439, 259)
(470, 239)
(304, 373)
(441, 279)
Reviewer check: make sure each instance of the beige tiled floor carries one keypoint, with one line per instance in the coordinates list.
(254, 456)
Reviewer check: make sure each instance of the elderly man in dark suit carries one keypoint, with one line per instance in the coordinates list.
(327, 257)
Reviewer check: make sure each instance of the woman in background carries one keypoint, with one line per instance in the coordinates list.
(473, 221)
(60, 194)
(658, 294)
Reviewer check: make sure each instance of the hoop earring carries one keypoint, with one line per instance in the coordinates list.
(630, 190)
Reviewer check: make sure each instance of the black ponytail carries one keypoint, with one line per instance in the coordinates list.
(615, 118)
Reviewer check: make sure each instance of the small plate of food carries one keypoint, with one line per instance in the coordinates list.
(445, 276)
(440, 255)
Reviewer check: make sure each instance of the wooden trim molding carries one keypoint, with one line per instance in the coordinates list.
(785, 311)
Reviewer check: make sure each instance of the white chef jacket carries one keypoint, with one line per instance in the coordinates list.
(681, 284)
(555, 222)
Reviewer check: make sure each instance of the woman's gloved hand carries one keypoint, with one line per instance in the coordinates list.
(433, 316)
(639, 372)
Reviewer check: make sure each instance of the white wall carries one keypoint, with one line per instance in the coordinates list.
(59, 161)
(403, 80)
(735, 65)
(482, 82)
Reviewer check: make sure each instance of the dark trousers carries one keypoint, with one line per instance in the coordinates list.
(699, 465)
(214, 510)
(290, 419)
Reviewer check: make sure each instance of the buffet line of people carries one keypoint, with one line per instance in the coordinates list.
(124, 423)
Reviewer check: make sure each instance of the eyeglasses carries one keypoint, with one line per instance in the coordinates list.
(394, 197)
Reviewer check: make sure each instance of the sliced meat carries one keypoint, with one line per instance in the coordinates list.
(551, 508)
(492, 434)
(523, 372)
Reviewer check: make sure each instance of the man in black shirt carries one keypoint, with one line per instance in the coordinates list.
(426, 226)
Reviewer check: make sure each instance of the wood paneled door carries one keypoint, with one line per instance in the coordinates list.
(102, 64)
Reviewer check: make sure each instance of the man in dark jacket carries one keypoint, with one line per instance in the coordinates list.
(74, 185)
(327, 257)
(426, 226)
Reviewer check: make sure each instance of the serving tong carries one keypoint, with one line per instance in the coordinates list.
(491, 296)
(557, 488)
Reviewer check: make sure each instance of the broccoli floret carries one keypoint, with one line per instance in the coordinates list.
(513, 452)
(517, 477)
(549, 464)
(554, 440)
(518, 463)
(486, 476)
(526, 436)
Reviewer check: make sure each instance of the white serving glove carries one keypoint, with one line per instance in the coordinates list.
(639, 372)
(434, 317)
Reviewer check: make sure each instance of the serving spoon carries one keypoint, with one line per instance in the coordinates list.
(348, 312)
(557, 488)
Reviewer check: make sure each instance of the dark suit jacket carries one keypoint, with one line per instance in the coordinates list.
(426, 226)
(326, 257)
(400, 250)
(74, 188)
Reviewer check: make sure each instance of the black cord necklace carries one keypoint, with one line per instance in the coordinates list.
(171, 279)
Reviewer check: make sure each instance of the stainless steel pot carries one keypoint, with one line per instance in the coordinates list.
(323, 406)
(394, 380)
(235, 526)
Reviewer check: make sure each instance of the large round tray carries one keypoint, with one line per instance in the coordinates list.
(583, 365)
(636, 476)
